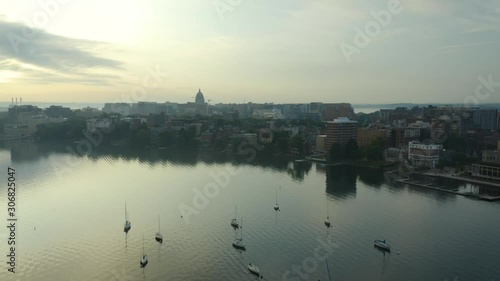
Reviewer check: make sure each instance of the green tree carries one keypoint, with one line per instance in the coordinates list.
(297, 143)
(336, 152)
(141, 138)
(351, 149)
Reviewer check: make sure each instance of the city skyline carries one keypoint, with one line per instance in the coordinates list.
(294, 52)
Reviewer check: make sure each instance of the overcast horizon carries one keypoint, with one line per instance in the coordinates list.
(248, 51)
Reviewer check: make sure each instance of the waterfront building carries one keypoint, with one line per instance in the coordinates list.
(340, 131)
(424, 155)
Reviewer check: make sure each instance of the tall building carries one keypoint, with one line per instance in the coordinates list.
(340, 130)
(485, 119)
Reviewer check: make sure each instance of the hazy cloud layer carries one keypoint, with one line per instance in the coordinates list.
(49, 58)
(261, 51)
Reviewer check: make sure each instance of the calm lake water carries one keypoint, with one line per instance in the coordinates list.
(71, 215)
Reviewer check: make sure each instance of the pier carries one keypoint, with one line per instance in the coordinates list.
(485, 197)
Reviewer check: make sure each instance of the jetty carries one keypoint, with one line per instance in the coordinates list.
(484, 197)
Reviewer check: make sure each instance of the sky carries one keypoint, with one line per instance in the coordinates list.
(293, 51)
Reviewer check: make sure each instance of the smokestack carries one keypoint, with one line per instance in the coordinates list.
(21, 101)
(16, 101)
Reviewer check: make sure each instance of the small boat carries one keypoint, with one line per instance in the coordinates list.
(238, 242)
(127, 225)
(144, 258)
(276, 206)
(234, 222)
(327, 221)
(144, 261)
(254, 269)
(381, 244)
(159, 236)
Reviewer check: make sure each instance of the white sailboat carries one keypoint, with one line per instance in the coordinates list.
(254, 269)
(327, 221)
(276, 206)
(238, 242)
(144, 258)
(382, 244)
(234, 222)
(159, 236)
(127, 225)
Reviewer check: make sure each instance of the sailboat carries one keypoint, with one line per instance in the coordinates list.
(144, 258)
(127, 225)
(327, 221)
(254, 269)
(234, 222)
(276, 206)
(238, 242)
(159, 236)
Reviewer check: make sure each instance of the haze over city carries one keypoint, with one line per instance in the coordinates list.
(241, 51)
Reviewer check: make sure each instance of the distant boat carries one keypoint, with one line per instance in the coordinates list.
(127, 225)
(144, 258)
(382, 244)
(327, 221)
(234, 222)
(276, 206)
(254, 269)
(159, 236)
(238, 242)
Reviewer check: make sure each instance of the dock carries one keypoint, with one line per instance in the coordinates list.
(485, 197)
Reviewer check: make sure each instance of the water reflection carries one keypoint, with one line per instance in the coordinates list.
(341, 181)
(371, 177)
(298, 170)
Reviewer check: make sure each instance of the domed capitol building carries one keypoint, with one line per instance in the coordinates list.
(200, 99)
(199, 106)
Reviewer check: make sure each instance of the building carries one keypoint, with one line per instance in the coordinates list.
(55, 111)
(340, 131)
(199, 99)
(485, 171)
(490, 165)
(22, 121)
(331, 111)
(485, 119)
(367, 135)
(424, 155)
(94, 124)
(120, 108)
(268, 114)
(402, 136)
(320, 143)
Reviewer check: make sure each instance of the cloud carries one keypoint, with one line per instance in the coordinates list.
(54, 57)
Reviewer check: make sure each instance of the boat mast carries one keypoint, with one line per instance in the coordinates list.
(159, 224)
